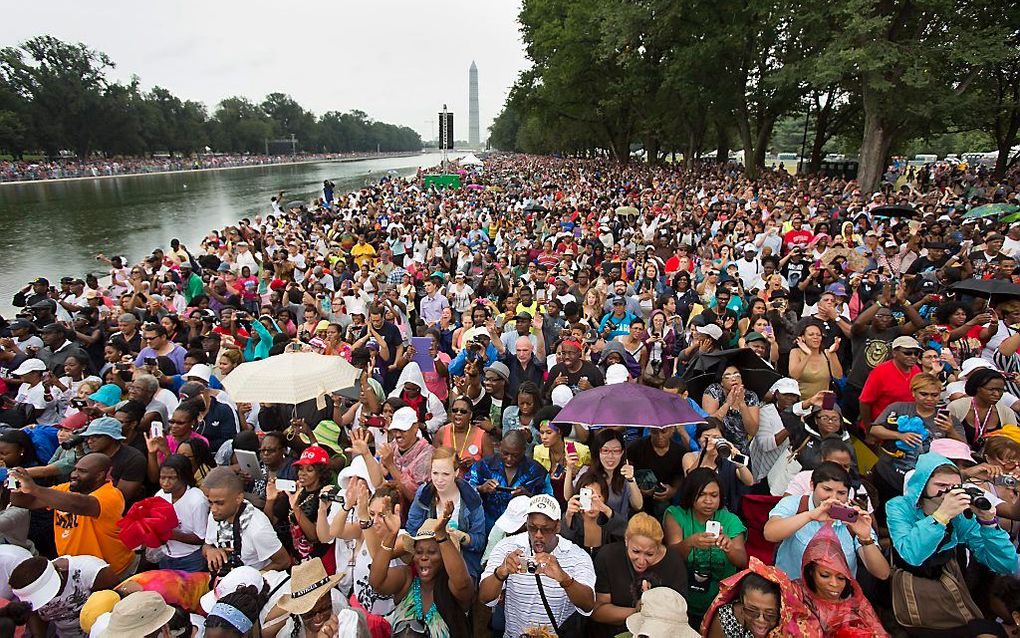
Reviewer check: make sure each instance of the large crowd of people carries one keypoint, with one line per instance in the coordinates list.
(34, 170)
(850, 359)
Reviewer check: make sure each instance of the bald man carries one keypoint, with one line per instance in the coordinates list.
(523, 366)
(85, 512)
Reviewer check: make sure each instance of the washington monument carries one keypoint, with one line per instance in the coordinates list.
(473, 137)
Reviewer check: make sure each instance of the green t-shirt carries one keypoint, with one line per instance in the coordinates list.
(705, 562)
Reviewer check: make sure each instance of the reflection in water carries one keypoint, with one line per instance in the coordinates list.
(55, 229)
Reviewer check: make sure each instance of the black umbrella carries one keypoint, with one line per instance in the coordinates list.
(894, 210)
(987, 288)
(535, 208)
(756, 374)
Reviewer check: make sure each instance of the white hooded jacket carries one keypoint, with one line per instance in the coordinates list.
(412, 374)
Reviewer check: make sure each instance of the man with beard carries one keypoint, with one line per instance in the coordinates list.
(238, 533)
(86, 511)
(566, 572)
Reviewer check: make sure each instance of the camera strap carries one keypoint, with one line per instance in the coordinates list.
(545, 603)
(236, 525)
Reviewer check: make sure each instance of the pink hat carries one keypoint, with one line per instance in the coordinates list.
(952, 449)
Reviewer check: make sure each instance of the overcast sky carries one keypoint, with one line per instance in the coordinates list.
(397, 60)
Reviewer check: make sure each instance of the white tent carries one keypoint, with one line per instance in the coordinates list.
(470, 160)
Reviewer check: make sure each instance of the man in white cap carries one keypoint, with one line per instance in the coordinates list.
(57, 590)
(37, 392)
(539, 561)
(777, 418)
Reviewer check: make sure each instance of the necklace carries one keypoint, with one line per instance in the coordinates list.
(467, 437)
(979, 423)
(416, 596)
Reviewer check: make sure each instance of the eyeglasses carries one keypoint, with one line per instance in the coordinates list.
(751, 613)
(459, 411)
(611, 451)
(910, 353)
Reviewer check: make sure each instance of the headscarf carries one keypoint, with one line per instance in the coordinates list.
(853, 615)
(795, 619)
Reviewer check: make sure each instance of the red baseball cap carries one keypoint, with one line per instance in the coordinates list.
(313, 455)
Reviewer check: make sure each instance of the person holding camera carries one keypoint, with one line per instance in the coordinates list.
(795, 520)
(540, 565)
(937, 514)
(719, 455)
(238, 533)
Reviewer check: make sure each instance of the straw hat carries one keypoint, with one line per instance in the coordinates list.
(308, 583)
(428, 531)
(138, 614)
(663, 615)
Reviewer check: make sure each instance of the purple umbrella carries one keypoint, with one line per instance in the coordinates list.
(628, 405)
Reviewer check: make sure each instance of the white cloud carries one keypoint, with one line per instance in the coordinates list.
(397, 60)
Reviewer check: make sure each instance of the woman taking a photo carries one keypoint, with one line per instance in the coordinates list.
(435, 590)
(561, 458)
(660, 348)
(813, 367)
(446, 487)
(591, 528)
(300, 508)
(710, 556)
(609, 462)
(177, 486)
(625, 570)
(715, 455)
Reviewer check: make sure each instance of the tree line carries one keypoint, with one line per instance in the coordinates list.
(55, 96)
(705, 77)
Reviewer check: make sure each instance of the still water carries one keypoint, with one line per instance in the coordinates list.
(55, 229)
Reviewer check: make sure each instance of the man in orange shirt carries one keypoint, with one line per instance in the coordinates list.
(86, 511)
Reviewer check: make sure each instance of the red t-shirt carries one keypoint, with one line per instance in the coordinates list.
(887, 384)
(797, 238)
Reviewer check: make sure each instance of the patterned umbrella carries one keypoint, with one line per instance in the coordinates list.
(988, 210)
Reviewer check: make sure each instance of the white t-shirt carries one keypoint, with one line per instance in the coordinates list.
(10, 557)
(35, 395)
(353, 558)
(192, 514)
(64, 610)
(521, 590)
(258, 538)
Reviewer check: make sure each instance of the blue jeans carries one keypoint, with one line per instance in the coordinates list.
(190, 563)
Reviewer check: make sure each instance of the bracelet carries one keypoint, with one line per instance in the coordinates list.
(441, 540)
(382, 546)
(940, 518)
(989, 523)
(365, 524)
(864, 542)
(566, 586)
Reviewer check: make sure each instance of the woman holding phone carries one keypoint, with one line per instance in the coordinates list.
(563, 459)
(709, 536)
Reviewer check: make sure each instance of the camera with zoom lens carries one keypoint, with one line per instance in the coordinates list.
(233, 562)
(331, 497)
(1006, 480)
(723, 447)
(977, 497)
(72, 442)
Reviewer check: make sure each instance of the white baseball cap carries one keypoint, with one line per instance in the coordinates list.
(199, 371)
(561, 395)
(404, 419)
(545, 505)
(515, 515)
(786, 385)
(974, 363)
(711, 330)
(30, 365)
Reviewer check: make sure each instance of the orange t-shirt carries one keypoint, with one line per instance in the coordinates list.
(100, 536)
